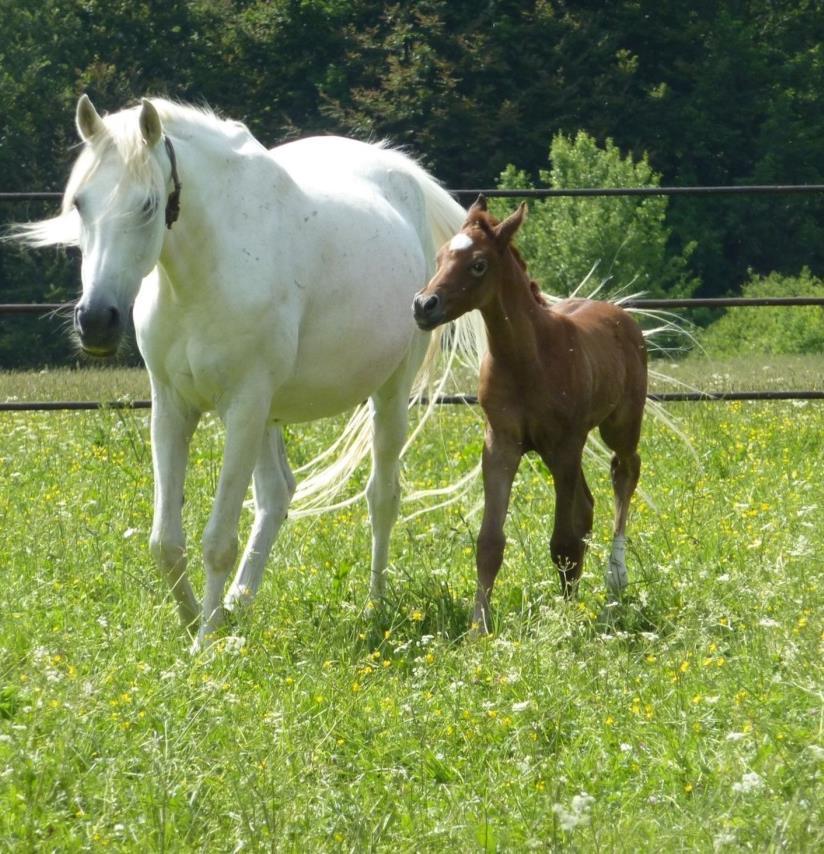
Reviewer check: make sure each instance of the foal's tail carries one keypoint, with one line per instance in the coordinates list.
(460, 344)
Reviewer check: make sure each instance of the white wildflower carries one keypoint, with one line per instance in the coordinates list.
(235, 643)
(578, 813)
(748, 783)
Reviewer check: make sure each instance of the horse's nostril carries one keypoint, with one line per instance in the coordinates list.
(114, 318)
(431, 304)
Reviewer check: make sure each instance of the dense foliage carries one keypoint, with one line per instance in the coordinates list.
(771, 330)
(614, 244)
(708, 93)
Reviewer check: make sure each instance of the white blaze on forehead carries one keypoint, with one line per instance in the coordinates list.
(460, 241)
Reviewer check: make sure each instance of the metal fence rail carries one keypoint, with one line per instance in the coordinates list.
(44, 309)
(546, 193)
(444, 400)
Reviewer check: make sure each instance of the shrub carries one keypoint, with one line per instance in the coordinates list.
(772, 331)
(625, 236)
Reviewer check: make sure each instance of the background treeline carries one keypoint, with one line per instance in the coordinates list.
(700, 93)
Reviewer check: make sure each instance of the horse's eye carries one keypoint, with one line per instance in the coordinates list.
(149, 207)
(478, 267)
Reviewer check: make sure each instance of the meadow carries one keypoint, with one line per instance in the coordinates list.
(693, 723)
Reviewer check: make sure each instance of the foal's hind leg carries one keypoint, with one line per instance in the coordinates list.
(625, 470)
(573, 515)
(274, 485)
(622, 434)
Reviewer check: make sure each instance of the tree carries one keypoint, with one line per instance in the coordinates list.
(625, 237)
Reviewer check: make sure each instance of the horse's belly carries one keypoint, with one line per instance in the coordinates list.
(346, 376)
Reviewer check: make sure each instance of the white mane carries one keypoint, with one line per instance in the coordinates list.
(122, 135)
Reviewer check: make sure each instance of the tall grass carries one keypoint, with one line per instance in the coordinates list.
(694, 724)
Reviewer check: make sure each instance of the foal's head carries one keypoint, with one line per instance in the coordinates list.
(470, 268)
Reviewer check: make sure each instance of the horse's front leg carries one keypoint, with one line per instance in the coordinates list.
(172, 425)
(500, 461)
(245, 422)
(273, 485)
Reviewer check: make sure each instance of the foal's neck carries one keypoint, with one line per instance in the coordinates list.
(514, 318)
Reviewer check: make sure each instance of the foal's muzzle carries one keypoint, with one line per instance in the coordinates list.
(428, 311)
(100, 327)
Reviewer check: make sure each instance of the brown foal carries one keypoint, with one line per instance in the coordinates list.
(552, 373)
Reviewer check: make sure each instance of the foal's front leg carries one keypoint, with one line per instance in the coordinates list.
(500, 461)
(573, 515)
(245, 422)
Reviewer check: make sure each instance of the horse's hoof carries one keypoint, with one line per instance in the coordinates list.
(238, 599)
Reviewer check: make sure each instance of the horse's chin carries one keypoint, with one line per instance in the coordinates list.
(99, 352)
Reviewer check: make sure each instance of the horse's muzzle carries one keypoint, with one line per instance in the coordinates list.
(428, 311)
(99, 327)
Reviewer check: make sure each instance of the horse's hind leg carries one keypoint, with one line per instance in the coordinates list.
(273, 485)
(625, 470)
(171, 428)
(390, 418)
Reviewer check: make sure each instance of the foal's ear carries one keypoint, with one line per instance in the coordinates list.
(87, 119)
(506, 230)
(477, 206)
(150, 124)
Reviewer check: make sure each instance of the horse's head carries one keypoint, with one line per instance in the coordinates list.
(120, 185)
(469, 268)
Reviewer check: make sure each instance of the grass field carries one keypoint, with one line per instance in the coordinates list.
(696, 724)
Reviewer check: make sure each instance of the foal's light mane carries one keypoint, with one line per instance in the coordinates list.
(122, 134)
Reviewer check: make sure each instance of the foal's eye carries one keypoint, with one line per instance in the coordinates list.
(478, 267)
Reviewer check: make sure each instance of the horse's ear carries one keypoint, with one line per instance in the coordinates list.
(87, 119)
(506, 230)
(150, 124)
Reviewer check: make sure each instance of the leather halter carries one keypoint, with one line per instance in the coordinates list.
(173, 202)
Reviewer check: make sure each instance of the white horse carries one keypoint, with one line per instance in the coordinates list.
(271, 286)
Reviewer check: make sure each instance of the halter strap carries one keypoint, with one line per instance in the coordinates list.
(173, 202)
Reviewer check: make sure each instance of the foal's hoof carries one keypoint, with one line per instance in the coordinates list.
(616, 578)
(609, 617)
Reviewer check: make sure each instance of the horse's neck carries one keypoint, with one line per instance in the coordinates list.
(217, 178)
(514, 321)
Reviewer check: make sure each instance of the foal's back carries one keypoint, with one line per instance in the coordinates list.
(592, 361)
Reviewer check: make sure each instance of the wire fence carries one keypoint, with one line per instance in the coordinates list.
(45, 309)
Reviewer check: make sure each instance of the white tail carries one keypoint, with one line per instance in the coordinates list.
(463, 342)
